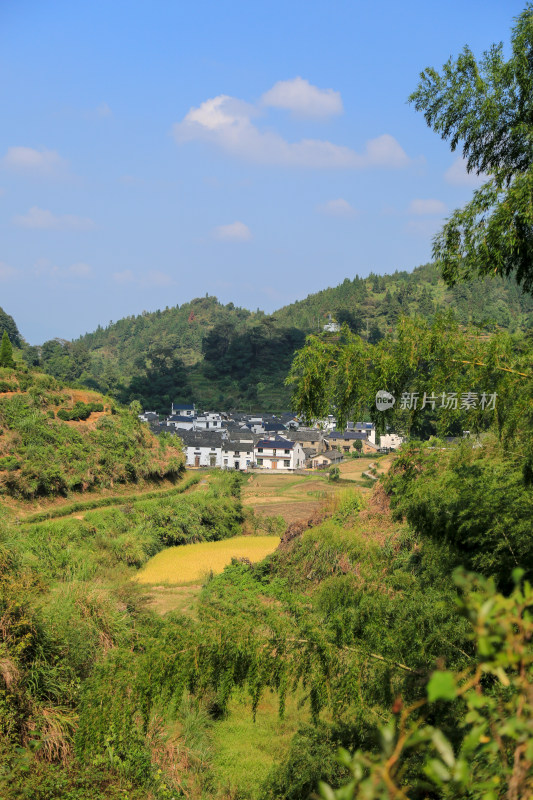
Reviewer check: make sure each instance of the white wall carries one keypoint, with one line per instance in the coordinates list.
(205, 454)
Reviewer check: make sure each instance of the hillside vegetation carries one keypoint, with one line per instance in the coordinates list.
(224, 356)
(55, 440)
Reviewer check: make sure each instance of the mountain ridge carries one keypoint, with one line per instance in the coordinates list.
(226, 355)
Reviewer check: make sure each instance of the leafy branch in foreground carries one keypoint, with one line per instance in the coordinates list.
(344, 373)
(495, 756)
(486, 106)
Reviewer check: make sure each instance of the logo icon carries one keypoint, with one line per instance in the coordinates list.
(384, 400)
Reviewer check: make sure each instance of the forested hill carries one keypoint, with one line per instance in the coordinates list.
(225, 356)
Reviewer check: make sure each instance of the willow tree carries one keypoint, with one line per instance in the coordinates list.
(440, 371)
(485, 108)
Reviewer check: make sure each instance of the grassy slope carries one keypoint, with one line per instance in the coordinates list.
(43, 456)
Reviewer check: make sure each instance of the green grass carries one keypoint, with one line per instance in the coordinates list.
(245, 751)
(116, 500)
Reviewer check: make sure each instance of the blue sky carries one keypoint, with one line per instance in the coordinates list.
(152, 152)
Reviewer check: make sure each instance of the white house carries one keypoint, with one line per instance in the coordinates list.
(279, 454)
(208, 421)
(149, 416)
(364, 427)
(237, 453)
(180, 422)
(202, 448)
(331, 326)
(391, 440)
(184, 409)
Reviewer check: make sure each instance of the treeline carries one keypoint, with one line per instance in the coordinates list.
(203, 350)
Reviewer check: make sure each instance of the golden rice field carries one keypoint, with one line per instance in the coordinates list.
(191, 562)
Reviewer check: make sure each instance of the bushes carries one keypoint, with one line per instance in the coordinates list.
(80, 411)
(56, 459)
(471, 498)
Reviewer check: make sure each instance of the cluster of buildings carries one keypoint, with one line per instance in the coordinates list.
(264, 441)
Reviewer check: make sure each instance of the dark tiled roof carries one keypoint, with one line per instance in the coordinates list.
(242, 447)
(281, 444)
(201, 438)
(183, 406)
(179, 418)
(273, 426)
(332, 455)
(347, 435)
(304, 436)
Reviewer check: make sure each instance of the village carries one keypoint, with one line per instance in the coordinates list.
(247, 442)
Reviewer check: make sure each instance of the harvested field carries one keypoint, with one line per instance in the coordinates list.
(293, 497)
(191, 562)
(353, 468)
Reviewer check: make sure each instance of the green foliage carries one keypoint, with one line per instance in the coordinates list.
(477, 503)
(334, 474)
(494, 756)
(486, 107)
(8, 325)
(421, 358)
(222, 356)
(311, 759)
(65, 618)
(6, 352)
(55, 458)
(80, 411)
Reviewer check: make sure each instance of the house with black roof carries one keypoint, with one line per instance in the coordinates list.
(279, 454)
(180, 422)
(308, 438)
(184, 409)
(202, 448)
(238, 451)
(345, 441)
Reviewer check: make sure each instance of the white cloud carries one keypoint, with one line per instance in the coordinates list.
(235, 232)
(126, 276)
(158, 278)
(40, 162)
(45, 220)
(422, 207)
(423, 228)
(227, 123)
(80, 270)
(7, 272)
(304, 99)
(45, 267)
(154, 278)
(458, 175)
(337, 208)
(103, 110)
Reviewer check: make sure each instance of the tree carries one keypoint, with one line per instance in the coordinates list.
(7, 323)
(495, 755)
(334, 473)
(6, 352)
(486, 106)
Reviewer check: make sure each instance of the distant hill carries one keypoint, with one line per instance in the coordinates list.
(226, 356)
